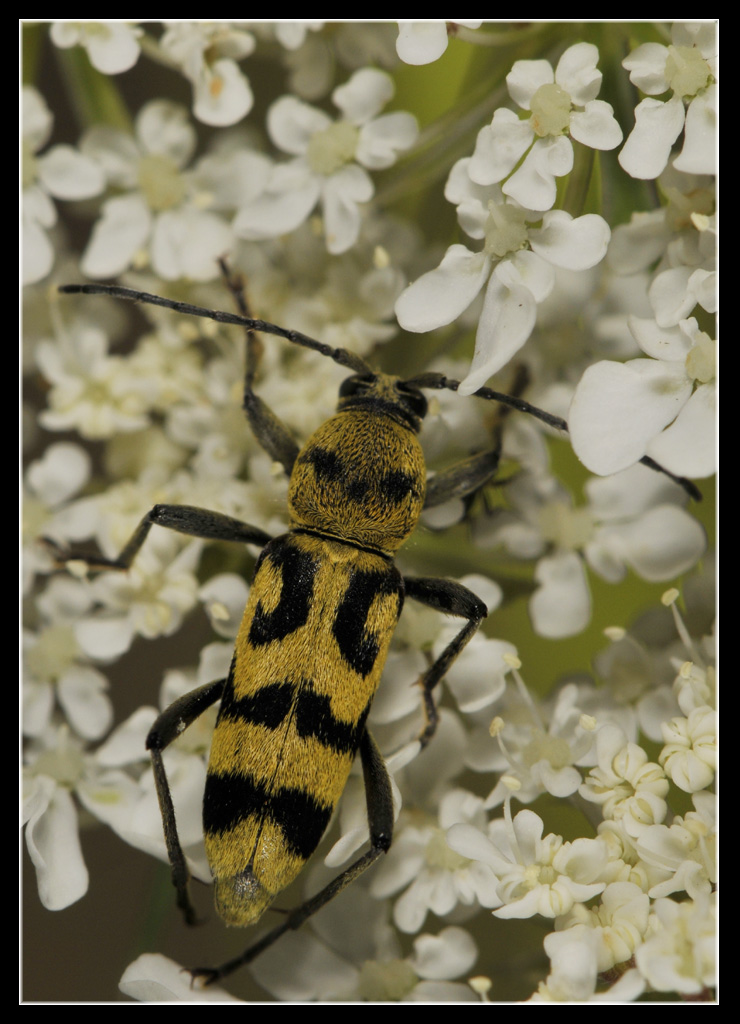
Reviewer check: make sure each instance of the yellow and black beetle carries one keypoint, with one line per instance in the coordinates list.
(323, 606)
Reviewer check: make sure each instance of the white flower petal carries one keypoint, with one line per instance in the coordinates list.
(341, 194)
(657, 126)
(525, 78)
(499, 147)
(533, 184)
(669, 343)
(659, 545)
(699, 153)
(54, 846)
(36, 118)
(646, 66)
(459, 186)
(83, 696)
(618, 408)
(507, 319)
(444, 956)
(223, 95)
(153, 978)
(289, 198)
(703, 286)
(38, 252)
(596, 126)
(529, 269)
(67, 174)
(104, 639)
(120, 232)
(117, 153)
(441, 295)
(561, 606)
(636, 246)
(577, 73)
(670, 296)
(630, 493)
(59, 473)
(470, 842)
(572, 244)
(188, 243)
(291, 124)
(477, 678)
(688, 447)
(127, 743)
(113, 50)
(163, 127)
(421, 42)
(383, 139)
(364, 95)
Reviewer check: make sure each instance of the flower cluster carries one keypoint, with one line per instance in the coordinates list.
(517, 207)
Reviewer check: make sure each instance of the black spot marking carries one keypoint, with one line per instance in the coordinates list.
(314, 719)
(326, 464)
(298, 570)
(396, 485)
(359, 646)
(356, 488)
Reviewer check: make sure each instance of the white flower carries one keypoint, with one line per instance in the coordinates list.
(515, 268)
(540, 746)
(54, 667)
(688, 69)
(695, 687)
(224, 597)
(663, 406)
(680, 954)
(208, 53)
(678, 243)
(131, 808)
(50, 482)
(422, 42)
(573, 973)
(112, 46)
(634, 676)
(677, 233)
(329, 161)
(562, 103)
(160, 215)
(51, 821)
(330, 961)
(150, 599)
(92, 392)
(690, 752)
(642, 526)
(536, 874)
(153, 978)
(615, 927)
(630, 788)
(683, 853)
(624, 864)
(293, 34)
(434, 876)
(61, 172)
(631, 520)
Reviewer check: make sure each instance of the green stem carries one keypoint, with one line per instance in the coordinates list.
(95, 98)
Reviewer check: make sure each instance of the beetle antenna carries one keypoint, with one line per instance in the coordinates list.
(440, 382)
(338, 355)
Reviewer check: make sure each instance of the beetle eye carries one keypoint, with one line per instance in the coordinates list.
(415, 400)
(352, 385)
